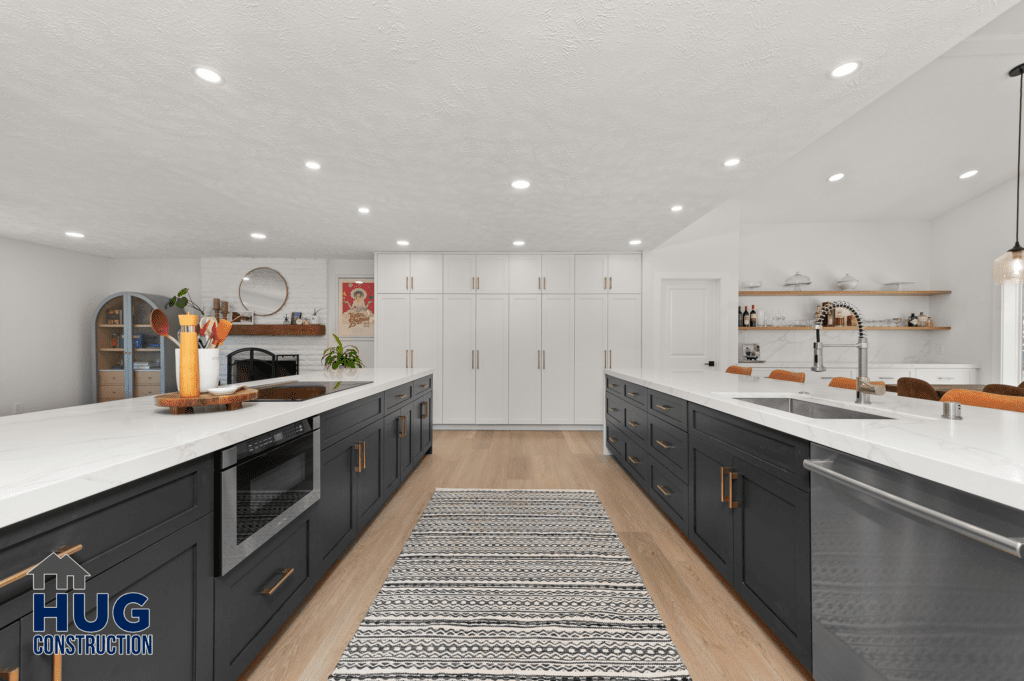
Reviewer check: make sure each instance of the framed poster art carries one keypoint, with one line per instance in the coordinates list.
(355, 308)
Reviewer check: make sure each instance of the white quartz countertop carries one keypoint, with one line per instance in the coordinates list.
(52, 458)
(982, 455)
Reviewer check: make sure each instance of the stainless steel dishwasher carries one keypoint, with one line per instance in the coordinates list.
(911, 580)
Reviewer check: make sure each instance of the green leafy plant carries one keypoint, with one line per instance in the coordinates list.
(181, 300)
(341, 356)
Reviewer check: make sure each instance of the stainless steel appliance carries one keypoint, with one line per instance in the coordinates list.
(265, 483)
(299, 391)
(911, 579)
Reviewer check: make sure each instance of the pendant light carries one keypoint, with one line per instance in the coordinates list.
(1009, 267)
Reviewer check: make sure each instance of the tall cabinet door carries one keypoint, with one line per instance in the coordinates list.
(624, 331)
(392, 330)
(712, 530)
(492, 274)
(558, 273)
(625, 273)
(524, 362)
(368, 489)
(557, 393)
(458, 363)
(591, 274)
(392, 273)
(426, 272)
(459, 273)
(591, 356)
(525, 273)
(427, 335)
(492, 359)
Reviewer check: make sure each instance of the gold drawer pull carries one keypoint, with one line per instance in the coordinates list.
(633, 423)
(61, 552)
(360, 457)
(612, 409)
(732, 478)
(632, 460)
(613, 385)
(632, 394)
(424, 385)
(661, 488)
(662, 407)
(663, 445)
(612, 440)
(401, 397)
(9, 674)
(426, 410)
(723, 473)
(285, 574)
(404, 427)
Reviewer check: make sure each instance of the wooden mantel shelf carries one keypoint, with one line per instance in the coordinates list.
(842, 294)
(278, 330)
(845, 328)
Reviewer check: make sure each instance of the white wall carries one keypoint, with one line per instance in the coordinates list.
(46, 335)
(162, 276)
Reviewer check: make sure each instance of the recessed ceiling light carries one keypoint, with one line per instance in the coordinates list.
(676, 209)
(364, 210)
(731, 162)
(312, 165)
(518, 243)
(520, 184)
(257, 235)
(75, 235)
(635, 242)
(402, 243)
(209, 75)
(836, 177)
(969, 173)
(845, 69)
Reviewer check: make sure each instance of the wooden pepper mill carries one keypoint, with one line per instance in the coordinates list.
(188, 362)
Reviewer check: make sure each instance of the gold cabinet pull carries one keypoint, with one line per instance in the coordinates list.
(424, 385)
(632, 460)
(285, 574)
(359, 459)
(633, 423)
(545, 283)
(406, 359)
(407, 283)
(632, 394)
(412, 359)
(723, 472)
(662, 407)
(606, 283)
(412, 282)
(663, 445)
(538, 284)
(613, 385)
(661, 488)
(612, 409)
(404, 428)
(609, 282)
(425, 411)
(732, 478)
(9, 674)
(612, 440)
(363, 454)
(61, 552)
(401, 397)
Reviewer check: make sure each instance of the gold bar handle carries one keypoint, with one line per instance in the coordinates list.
(633, 394)
(613, 385)
(545, 283)
(401, 396)
(612, 409)
(424, 385)
(9, 674)
(612, 440)
(426, 410)
(359, 458)
(661, 488)
(635, 424)
(412, 282)
(723, 473)
(663, 445)
(662, 407)
(362, 455)
(412, 359)
(538, 284)
(732, 478)
(61, 552)
(285, 574)
(404, 428)
(632, 460)
(609, 283)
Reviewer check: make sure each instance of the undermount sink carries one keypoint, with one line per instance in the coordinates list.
(811, 410)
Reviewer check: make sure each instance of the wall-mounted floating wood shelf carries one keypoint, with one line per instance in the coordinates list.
(278, 330)
(756, 292)
(845, 328)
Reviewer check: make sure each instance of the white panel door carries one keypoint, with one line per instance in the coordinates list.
(392, 273)
(591, 275)
(492, 273)
(426, 273)
(689, 324)
(558, 273)
(459, 273)
(426, 330)
(458, 363)
(623, 331)
(591, 356)
(391, 322)
(625, 273)
(524, 363)
(491, 359)
(524, 273)
(557, 359)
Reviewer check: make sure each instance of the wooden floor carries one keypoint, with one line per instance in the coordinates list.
(717, 636)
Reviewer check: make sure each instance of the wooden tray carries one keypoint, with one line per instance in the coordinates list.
(184, 405)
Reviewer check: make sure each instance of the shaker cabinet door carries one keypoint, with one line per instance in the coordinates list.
(392, 273)
(392, 330)
(712, 529)
(525, 273)
(369, 487)
(590, 356)
(524, 358)
(426, 273)
(458, 366)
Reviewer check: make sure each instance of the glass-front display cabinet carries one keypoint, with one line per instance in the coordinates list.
(131, 360)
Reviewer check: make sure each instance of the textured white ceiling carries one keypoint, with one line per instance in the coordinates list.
(903, 154)
(425, 111)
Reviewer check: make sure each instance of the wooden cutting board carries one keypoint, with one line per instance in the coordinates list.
(184, 405)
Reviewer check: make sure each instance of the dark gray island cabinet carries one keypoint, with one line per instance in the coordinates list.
(158, 537)
(736, 489)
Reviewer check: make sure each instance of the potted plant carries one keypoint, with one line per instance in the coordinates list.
(341, 357)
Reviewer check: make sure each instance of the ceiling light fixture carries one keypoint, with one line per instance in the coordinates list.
(364, 210)
(731, 162)
(209, 75)
(75, 235)
(403, 242)
(520, 184)
(969, 173)
(312, 165)
(676, 209)
(257, 235)
(518, 243)
(845, 69)
(1009, 267)
(836, 177)
(635, 242)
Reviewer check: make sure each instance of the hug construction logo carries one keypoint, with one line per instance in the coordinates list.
(127, 613)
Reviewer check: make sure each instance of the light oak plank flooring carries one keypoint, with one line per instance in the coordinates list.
(716, 634)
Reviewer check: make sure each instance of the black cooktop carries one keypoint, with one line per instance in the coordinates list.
(299, 391)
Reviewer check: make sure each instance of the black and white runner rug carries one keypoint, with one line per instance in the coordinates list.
(512, 584)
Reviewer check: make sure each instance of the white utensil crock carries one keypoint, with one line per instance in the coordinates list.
(209, 367)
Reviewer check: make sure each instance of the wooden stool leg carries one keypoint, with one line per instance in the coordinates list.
(234, 405)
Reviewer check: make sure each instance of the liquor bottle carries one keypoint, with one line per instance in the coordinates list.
(753, 316)
(740, 323)
(746, 317)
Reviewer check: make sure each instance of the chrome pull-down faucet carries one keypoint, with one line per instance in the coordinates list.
(864, 387)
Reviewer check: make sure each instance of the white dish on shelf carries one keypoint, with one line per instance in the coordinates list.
(226, 389)
(847, 283)
(751, 284)
(899, 284)
(798, 280)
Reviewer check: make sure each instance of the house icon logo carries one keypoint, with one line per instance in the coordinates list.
(65, 569)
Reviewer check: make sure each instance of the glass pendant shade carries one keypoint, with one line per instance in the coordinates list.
(1009, 267)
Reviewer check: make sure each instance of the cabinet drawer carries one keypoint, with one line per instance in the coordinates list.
(338, 422)
(671, 494)
(945, 376)
(889, 375)
(147, 378)
(147, 390)
(614, 385)
(635, 420)
(250, 600)
(111, 378)
(668, 407)
(396, 397)
(422, 385)
(670, 443)
(636, 393)
(615, 410)
(106, 393)
(616, 443)
(638, 463)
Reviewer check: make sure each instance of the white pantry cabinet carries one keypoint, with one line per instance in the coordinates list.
(491, 359)
(408, 273)
(591, 357)
(524, 356)
(470, 273)
(426, 341)
(536, 273)
(458, 361)
(492, 273)
(624, 325)
(391, 330)
(557, 360)
(612, 273)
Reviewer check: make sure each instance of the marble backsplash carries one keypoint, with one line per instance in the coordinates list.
(884, 347)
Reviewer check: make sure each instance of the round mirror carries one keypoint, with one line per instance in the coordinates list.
(263, 291)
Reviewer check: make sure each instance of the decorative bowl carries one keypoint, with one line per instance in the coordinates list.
(847, 283)
(798, 280)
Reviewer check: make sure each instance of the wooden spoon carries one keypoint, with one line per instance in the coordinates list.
(223, 329)
(160, 325)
